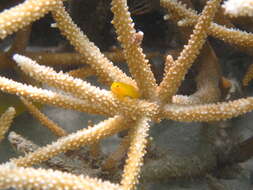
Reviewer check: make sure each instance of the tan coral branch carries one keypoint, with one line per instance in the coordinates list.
(89, 52)
(138, 141)
(37, 179)
(47, 97)
(79, 88)
(248, 76)
(100, 98)
(208, 80)
(111, 162)
(229, 35)
(53, 59)
(73, 141)
(208, 112)
(23, 14)
(52, 126)
(130, 41)
(174, 77)
(20, 41)
(236, 8)
(5, 121)
(82, 72)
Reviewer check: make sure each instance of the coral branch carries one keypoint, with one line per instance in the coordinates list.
(77, 87)
(52, 126)
(5, 121)
(111, 162)
(89, 52)
(229, 35)
(177, 72)
(21, 40)
(127, 111)
(138, 140)
(82, 72)
(238, 8)
(23, 14)
(37, 179)
(46, 96)
(52, 59)
(73, 141)
(102, 99)
(208, 80)
(248, 76)
(130, 41)
(208, 112)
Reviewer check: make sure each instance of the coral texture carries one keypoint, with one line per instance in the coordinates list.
(136, 115)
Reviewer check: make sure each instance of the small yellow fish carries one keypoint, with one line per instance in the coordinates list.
(122, 90)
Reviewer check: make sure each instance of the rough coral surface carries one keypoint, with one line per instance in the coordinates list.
(133, 116)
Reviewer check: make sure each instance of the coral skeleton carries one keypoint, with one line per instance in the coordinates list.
(5, 121)
(136, 115)
(230, 35)
(239, 7)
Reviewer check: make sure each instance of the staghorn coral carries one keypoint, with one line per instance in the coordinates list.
(238, 8)
(5, 121)
(156, 102)
(57, 130)
(229, 35)
(19, 177)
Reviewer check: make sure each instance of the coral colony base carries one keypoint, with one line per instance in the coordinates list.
(141, 100)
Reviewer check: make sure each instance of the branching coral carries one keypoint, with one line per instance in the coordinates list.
(5, 121)
(18, 177)
(156, 102)
(238, 8)
(230, 35)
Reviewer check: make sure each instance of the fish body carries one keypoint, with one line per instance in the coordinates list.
(122, 90)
